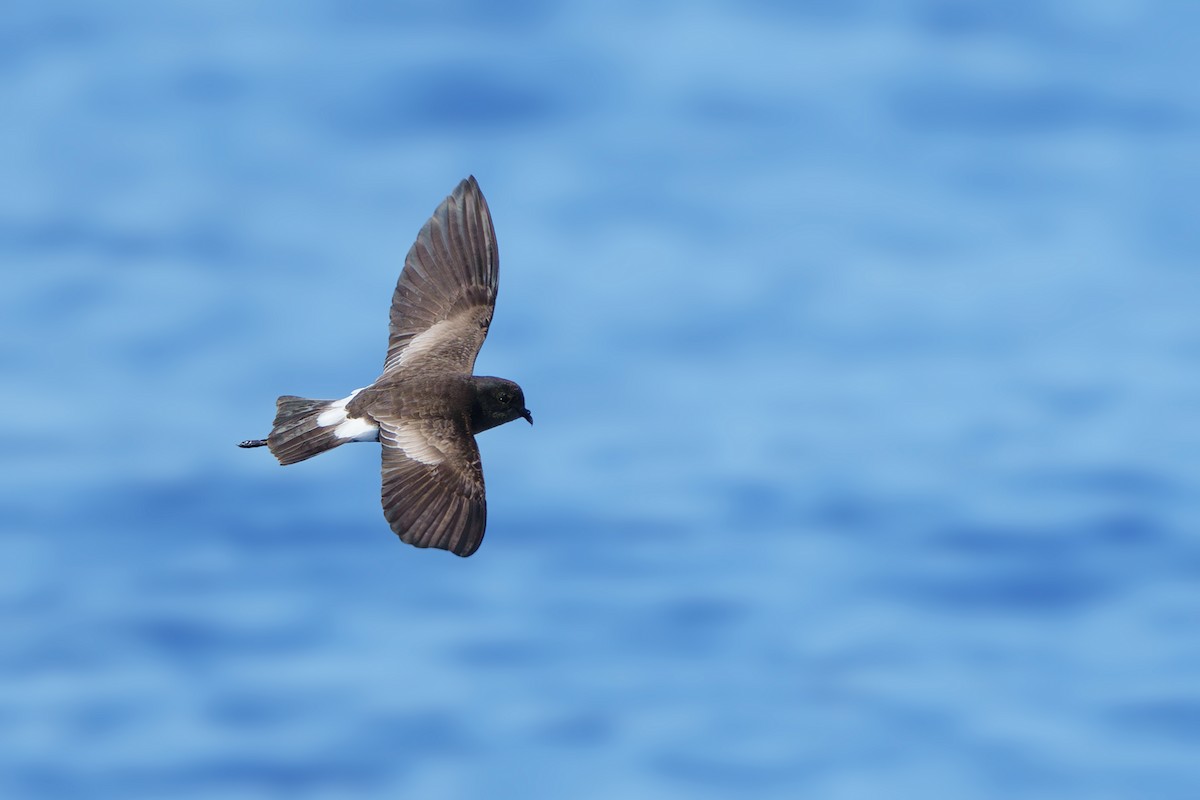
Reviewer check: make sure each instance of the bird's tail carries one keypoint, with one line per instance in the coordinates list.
(303, 428)
(297, 432)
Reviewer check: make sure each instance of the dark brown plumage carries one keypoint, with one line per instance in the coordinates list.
(427, 405)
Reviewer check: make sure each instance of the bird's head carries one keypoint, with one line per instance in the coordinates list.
(497, 401)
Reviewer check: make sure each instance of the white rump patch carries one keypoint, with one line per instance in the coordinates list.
(334, 415)
(358, 430)
(414, 444)
(354, 428)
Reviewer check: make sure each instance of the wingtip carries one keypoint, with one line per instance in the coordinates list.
(468, 184)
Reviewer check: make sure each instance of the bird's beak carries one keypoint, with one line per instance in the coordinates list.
(528, 417)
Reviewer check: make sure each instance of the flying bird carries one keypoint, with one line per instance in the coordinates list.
(427, 406)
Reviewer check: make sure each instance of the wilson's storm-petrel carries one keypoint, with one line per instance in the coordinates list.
(427, 406)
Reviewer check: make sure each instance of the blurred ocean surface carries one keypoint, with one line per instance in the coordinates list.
(862, 338)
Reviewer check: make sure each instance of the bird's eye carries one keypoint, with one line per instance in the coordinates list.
(503, 398)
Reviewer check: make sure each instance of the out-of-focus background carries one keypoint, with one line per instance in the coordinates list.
(862, 337)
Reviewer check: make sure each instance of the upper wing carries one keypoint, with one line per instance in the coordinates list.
(433, 484)
(443, 301)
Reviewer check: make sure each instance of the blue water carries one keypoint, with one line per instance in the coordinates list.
(862, 339)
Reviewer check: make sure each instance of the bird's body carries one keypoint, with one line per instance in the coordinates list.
(427, 405)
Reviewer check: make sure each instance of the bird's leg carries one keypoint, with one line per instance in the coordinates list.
(253, 443)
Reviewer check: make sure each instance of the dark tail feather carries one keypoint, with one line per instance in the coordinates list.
(295, 434)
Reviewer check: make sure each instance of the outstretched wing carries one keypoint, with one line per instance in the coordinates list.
(443, 301)
(433, 484)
